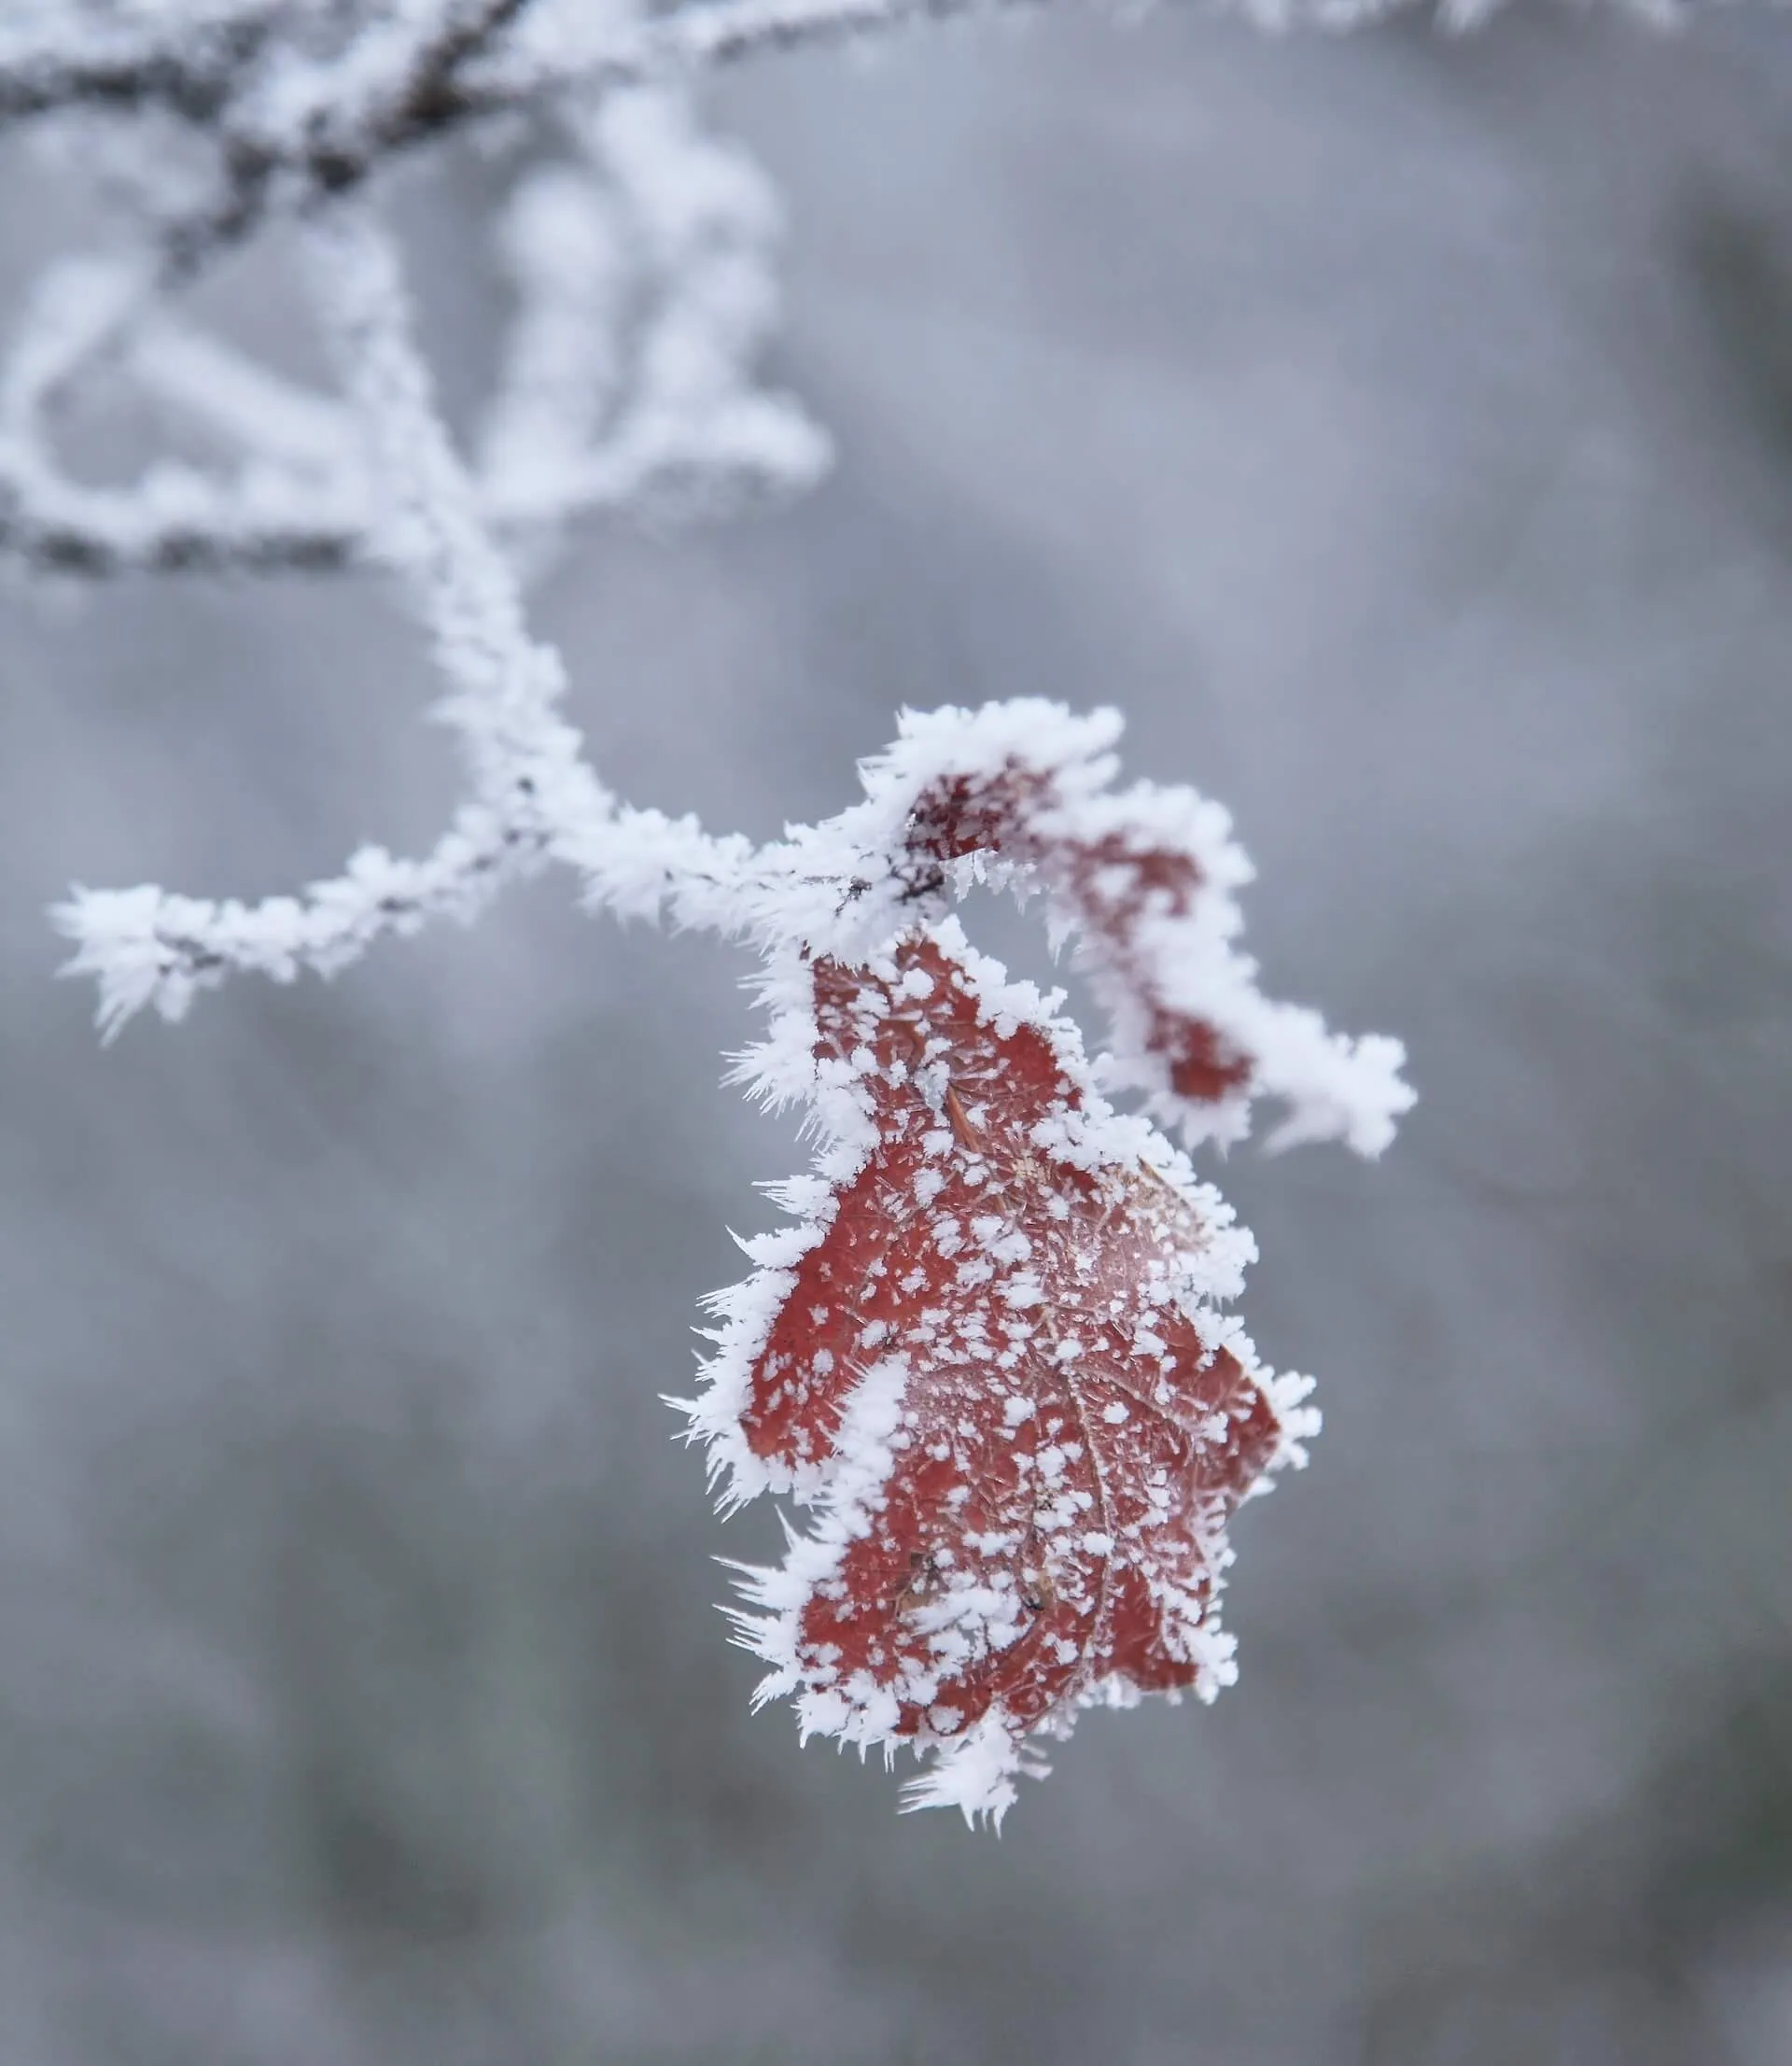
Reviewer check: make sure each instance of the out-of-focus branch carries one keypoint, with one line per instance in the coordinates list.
(277, 106)
(640, 254)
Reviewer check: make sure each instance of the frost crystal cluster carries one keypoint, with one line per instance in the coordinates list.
(988, 1359)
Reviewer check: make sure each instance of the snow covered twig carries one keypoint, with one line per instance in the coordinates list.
(639, 249)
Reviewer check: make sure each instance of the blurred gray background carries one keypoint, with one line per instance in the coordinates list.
(1400, 430)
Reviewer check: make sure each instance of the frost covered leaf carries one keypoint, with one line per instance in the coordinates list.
(1145, 878)
(990, 1358)
(1022, 795)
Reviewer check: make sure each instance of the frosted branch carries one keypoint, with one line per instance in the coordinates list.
(644, 293)
(637, 251)
(218, 117)
(531, 793)
(525, 773)
(433, 65)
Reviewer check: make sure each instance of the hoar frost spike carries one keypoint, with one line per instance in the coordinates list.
(988, 1354)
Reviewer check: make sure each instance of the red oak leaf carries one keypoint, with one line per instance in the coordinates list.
(992, 1361)
(1143, 877)
(1129, 882)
